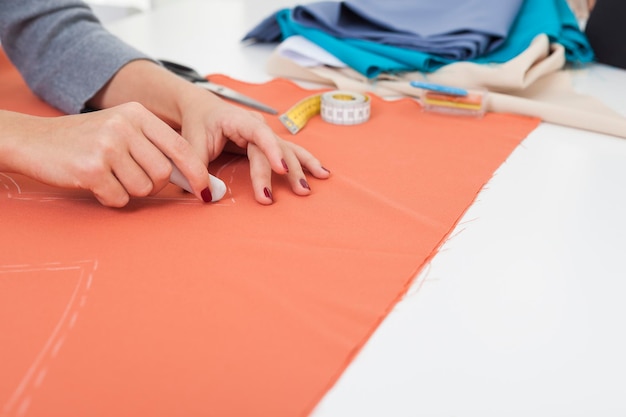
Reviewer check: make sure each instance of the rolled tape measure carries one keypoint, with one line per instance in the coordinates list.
(336, 107)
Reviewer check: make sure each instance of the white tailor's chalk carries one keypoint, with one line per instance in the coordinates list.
(218, 188)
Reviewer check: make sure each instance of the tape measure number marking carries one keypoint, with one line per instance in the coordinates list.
(336, 107)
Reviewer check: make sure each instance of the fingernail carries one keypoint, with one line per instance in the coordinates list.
(268, 193)
(285, 165)
(304, 184)
(206, 195)
(326, 169)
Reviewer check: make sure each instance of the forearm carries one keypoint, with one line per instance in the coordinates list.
(160, 91)
(62, 51)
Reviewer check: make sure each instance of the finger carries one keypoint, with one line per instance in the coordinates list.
(132, 177)
(261, 175)
(110, 192)
(196, 134)
(309, 162)
(251, 128)
(180, 152)
(151, 161)
(158, 170)
(296, 176)
(189, 164)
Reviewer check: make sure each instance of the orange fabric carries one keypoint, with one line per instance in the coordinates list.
(174, 307)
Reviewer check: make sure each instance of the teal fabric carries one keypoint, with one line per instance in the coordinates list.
(551, 17)
(470, 28)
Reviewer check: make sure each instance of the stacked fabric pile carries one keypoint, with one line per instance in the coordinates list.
(515, 49)
(373, 37)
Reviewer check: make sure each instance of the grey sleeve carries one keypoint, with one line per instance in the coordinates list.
(63, 52)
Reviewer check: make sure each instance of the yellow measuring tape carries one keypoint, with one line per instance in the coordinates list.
(336, 107)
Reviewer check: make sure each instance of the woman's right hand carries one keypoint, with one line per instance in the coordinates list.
(115, 153)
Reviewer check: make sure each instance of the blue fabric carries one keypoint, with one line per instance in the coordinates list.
(551, 17)
(470, 28)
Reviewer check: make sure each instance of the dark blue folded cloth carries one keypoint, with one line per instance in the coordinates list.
(410, 35)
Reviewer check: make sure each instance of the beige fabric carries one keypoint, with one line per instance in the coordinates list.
(534, 83)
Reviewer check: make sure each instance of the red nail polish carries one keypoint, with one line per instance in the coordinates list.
(304, 184)
(268, 193)
(285, 165)
(206, 195)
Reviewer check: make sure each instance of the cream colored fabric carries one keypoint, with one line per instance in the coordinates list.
(534, 83)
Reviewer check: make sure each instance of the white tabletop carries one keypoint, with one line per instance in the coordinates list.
(521, 312)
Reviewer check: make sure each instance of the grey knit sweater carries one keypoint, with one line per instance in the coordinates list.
(61, 49)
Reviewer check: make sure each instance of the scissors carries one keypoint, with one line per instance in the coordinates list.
(192, 75)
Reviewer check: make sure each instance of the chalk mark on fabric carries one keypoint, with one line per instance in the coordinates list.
(20, 400)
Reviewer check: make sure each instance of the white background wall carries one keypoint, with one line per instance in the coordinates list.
(109, 10)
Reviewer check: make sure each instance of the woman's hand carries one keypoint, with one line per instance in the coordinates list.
(116, 153)
(212, 125)
(296, 158)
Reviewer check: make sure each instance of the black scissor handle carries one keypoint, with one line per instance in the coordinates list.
(183, 71)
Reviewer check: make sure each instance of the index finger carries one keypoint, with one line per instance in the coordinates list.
(180, 152)
(256, 131)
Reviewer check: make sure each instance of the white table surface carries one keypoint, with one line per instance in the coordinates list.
(521, 312)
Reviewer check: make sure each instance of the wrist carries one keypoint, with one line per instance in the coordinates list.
(20, 140)
(9, 139)
(165, 94)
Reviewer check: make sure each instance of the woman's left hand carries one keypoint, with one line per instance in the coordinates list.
(213, 125)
